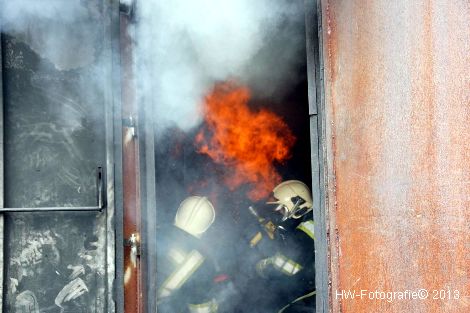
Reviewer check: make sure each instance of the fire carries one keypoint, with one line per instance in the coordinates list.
(247, 142)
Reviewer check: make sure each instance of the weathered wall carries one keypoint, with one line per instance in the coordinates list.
(397, 104)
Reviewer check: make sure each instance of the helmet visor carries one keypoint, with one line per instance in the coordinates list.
(299, 210)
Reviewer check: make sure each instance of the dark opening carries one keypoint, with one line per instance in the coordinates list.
(183, 169)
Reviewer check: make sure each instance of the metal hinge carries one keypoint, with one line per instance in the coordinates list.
(134, 243)
(130, 124)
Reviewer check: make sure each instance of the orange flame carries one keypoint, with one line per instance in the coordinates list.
(247, 142)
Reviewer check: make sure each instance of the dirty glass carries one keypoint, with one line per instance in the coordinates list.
(54, 83)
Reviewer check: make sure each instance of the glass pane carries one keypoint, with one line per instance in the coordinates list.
(55, 64)
(55, 262)
(54, 116)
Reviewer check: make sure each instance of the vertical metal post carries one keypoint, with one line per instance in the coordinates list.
(315, 92)
(114, 162)
(133, 279)
(148, 196)
(113, 174)
(118, 188)
(1, 173)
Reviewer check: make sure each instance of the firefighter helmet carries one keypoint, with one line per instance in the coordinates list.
(195, 215)
(294, 199)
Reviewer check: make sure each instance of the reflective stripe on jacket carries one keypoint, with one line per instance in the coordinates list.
(308, 228)
(181, 274)
(208, 307)
(285, 265)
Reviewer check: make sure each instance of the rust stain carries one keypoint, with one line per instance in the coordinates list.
(335, 248)
(133, 301)
(398, 137)
(425, 203)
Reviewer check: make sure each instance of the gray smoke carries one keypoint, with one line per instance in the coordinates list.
(184, 47)
(49, 27)
(65, 36)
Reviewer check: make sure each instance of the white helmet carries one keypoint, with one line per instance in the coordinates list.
(195, 215)
(294, 199)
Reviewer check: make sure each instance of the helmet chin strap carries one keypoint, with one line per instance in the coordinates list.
(281, 208)
(286, 213)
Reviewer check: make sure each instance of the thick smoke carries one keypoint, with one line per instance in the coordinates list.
(184, 50)
(17, 13)
(50, 28)
(65, 35)
(184, 47)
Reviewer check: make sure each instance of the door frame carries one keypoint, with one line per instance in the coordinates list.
(316, 99)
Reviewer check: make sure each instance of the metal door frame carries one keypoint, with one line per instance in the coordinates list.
(1, 175)
(317, 135)
(313, 26)
(148, 211)
(146, 132)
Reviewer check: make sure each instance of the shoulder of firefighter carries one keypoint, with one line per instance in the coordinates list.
(290, 270)
(293, 255)
(187, 274)
(293, 202)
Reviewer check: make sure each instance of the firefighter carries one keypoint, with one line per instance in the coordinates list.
(185, 272)
(289, 267)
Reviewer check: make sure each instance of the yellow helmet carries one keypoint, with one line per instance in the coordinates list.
(294, 199)
(195, 215)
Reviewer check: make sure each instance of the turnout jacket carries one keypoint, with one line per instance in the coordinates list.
(185, 274)
(289, 268)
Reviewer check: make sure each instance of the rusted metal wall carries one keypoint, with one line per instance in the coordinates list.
(397, 123)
